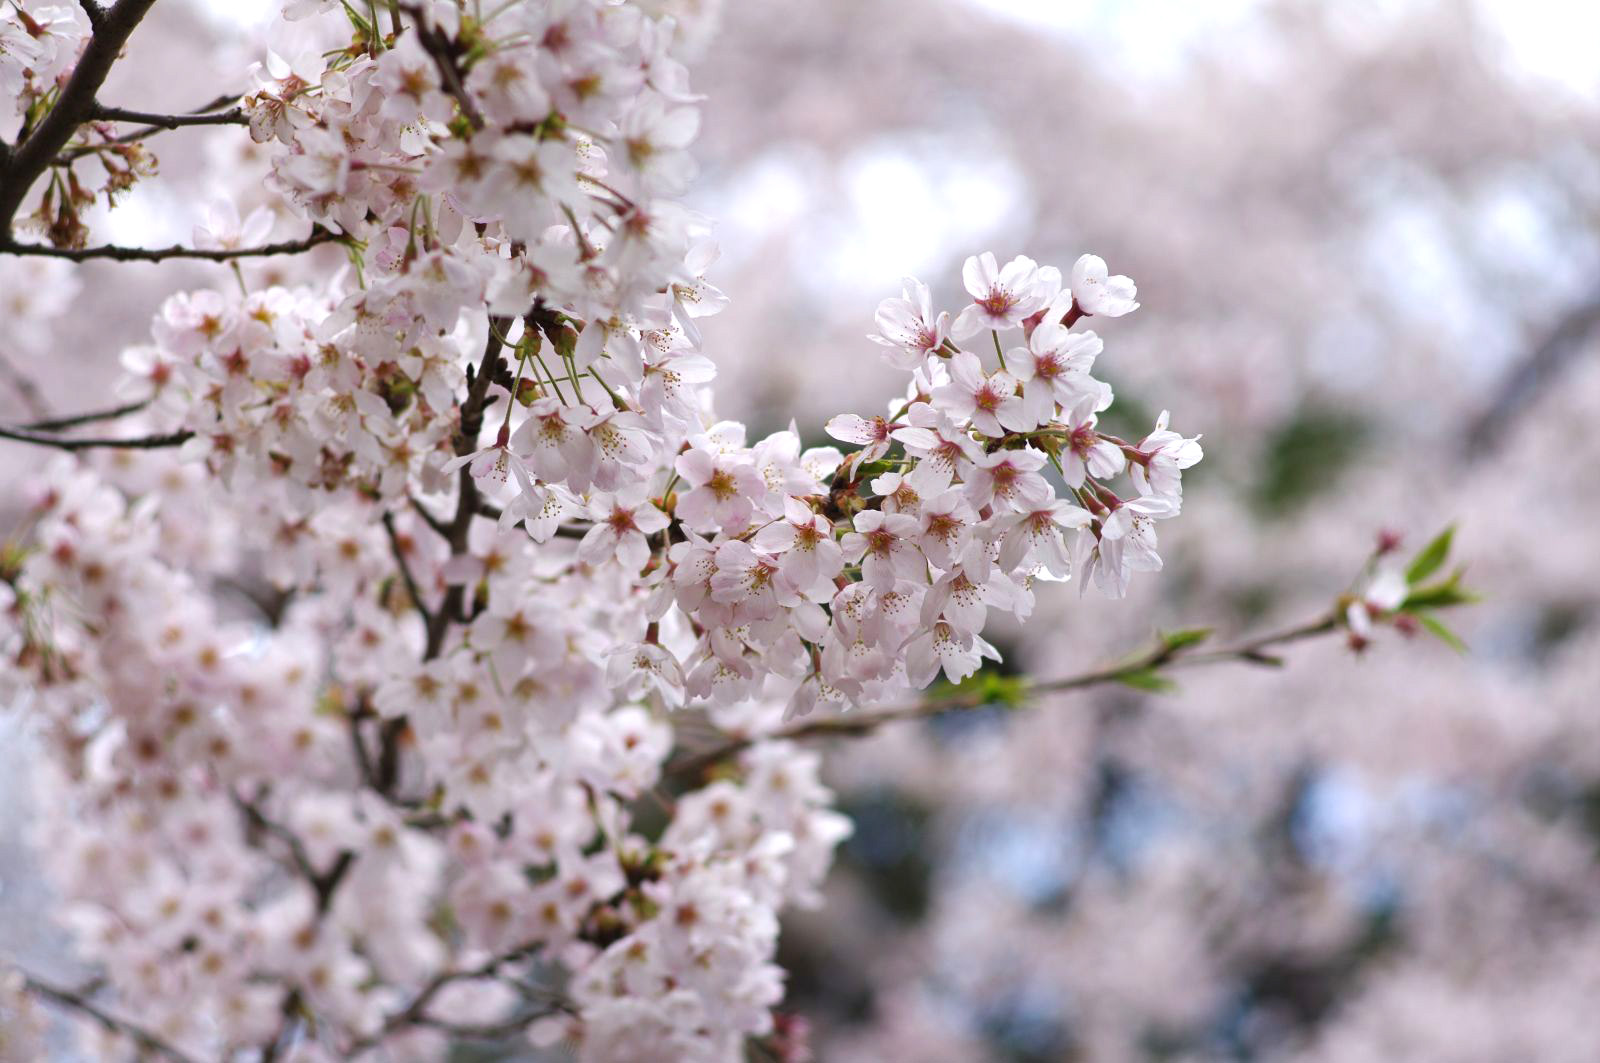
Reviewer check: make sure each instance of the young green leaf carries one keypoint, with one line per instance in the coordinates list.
(1439, 596)
(1179, 640)
(1444, 634)
(1432, 556)
(1147, 679)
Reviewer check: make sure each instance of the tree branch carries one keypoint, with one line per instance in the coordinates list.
(24, 386)
(387, 769)
(171, 439)
(232, 116)
(57, 424)
(1165, 655)
(73, 107)
(76, 1001)
(413, 1013)
(1538, 371)
(323, 883)
(444, 57)
(318, 236)
(93, 12)
(398, 549)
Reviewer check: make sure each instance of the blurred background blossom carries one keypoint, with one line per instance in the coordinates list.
(1367, 242)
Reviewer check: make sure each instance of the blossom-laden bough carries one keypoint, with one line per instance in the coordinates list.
(425, 795)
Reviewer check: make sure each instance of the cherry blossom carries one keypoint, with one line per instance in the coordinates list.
(511, 560)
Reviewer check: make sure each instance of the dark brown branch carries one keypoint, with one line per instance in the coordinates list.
(79, 1002)
(399, 551)
(57, 424)
(413, 1013)
(443, 51)
(199, 116)
(232, 116)
(26, 389)
(386, 772)
(158, 254)
(467, 499)
(290, 1011)
(170, 439)
(73, 107)
(93, 12)
(428, 517)
(323, 883)
(1163, 656)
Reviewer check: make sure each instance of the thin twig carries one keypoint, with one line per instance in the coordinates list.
(444, 57)
(428, 517)
(57, 424)
(158, 254)
(232, 116)
(157, 442)
(413, 1013)
(26, 389)
(1253, 651)
(398, 549)
(323, 883)
(76, 1001)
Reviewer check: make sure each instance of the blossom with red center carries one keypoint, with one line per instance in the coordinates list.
(1002, 298)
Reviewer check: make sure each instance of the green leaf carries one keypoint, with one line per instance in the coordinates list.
(1432, 557)
(1147, 679)
(1439, 596)
(1178, 640)
(1444, 634)
(987, 687)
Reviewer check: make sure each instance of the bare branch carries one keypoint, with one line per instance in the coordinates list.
(386, 771)
(232, 116)
(444, 57)
(1162, 656)
(323, 883)
(171, 439)
(93, 12)
(24, 386)
(74, 1000)
(413, 1014)
(157, 254)
(399, 551)
(57, 424)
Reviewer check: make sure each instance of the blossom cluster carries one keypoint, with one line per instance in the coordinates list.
(359, 712)
(39, 43)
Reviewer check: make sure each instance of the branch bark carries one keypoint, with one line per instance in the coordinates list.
(157, 442)
(57, 424)
(158, 254)
(232, 116)
(386, 772)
